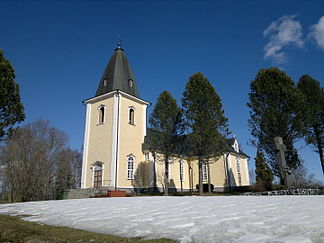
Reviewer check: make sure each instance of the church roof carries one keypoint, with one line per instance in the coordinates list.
(184, 148)
(118, 75)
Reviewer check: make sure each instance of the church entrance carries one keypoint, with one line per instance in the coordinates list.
(97, 182)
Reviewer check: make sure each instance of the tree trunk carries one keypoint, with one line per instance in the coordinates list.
(154, 173)
(181, 176)
(166, 176)
(209, 187)
(201, 190)
(319, 146)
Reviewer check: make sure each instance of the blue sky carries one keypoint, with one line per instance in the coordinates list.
(59, 50)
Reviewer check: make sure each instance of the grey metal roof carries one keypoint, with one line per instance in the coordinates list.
(183, 145)
(118, 76)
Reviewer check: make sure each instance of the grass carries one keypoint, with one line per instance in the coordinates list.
(14, 229)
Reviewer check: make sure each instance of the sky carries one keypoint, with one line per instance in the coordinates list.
(59, 50)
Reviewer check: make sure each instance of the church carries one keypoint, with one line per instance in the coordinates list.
(115, 156)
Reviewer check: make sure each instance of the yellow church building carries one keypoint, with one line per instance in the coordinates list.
(115, 156)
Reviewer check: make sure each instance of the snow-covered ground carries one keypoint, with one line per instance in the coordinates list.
(187, 219)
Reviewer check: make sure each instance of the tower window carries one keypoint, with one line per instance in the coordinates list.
(130, 83)
(131, 116)
(101, 114)
(105, 82)
(130, 168)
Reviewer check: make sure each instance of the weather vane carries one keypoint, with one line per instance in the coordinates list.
(120, 41)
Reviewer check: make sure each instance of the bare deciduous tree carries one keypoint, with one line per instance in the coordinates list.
(30, 158)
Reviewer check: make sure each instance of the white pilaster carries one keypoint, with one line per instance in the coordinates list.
(144, 120)
(114, 141)
(85, 147)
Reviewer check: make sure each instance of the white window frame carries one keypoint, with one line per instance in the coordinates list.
(130, 171)
(204, 169)
(130, 122)
(181, 170)
(238, 168)
(238, 165)
(100, 120)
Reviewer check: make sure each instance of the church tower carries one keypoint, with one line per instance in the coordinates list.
(115, 128)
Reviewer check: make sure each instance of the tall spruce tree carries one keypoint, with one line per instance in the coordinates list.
(11, 108)
(166, 124)
(205, 120)
(276, 109)
(264, 175)
(314, 98)
(64, 174)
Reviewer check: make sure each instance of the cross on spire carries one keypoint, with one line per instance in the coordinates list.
(120, 41)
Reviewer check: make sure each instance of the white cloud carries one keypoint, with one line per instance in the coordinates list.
(281, 33)
(317, 32)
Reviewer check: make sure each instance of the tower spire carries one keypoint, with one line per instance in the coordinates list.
(118, 75)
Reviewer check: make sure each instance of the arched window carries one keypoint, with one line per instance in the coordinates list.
(131, 116)
(101, 114)
(97, 175)
(105, 82)
(130, 168)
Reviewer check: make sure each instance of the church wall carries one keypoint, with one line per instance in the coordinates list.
(245, 172)
(100, 137)
(217, 171)
(131, 138)
(233, 171)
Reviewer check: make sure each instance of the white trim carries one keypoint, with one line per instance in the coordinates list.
(144, 120)
(247, 171)
(104, 96)
(85, 147)
(92, 180)
(114, 141)
(102, 174)
(118, 132)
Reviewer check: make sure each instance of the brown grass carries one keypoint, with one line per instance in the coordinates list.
(14, 229)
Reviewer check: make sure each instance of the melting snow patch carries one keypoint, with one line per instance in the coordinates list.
(283, 219)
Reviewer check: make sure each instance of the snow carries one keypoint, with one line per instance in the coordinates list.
(298, 219)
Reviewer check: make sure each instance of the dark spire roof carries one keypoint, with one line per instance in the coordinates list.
(118, 75)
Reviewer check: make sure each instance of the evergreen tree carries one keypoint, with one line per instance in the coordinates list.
(314, 97)
(205, 120)
(276, 109)
(11, 108)
(64, 174)
(264, 175)
(166, 125)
